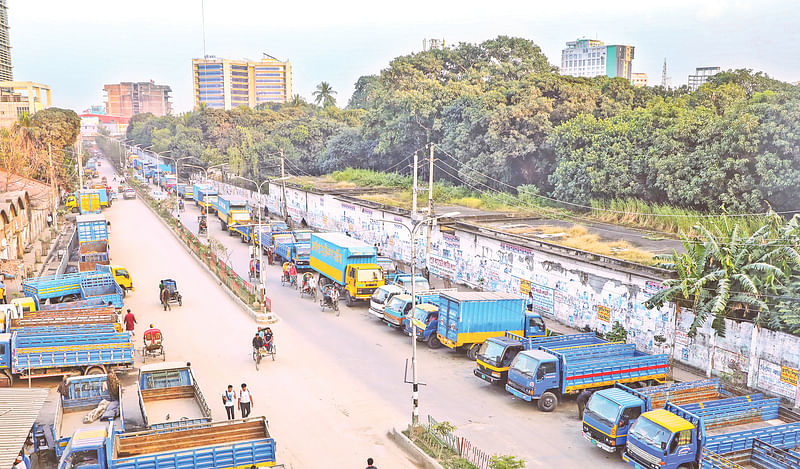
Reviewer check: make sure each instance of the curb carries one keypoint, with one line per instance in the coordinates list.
(269, 318)
(417, 455)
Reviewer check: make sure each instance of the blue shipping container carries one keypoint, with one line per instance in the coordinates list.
(473, 317)
(331, 253)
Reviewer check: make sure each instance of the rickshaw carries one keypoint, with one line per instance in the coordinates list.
(153, 347)
(202, 226)
(172, 288)
(308, 286)
(263, 352)
(329, 299)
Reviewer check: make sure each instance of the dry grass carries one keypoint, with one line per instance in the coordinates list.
(401, 199)
(579, 237)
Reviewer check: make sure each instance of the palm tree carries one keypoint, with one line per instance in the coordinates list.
(324, 95)
(298, 101)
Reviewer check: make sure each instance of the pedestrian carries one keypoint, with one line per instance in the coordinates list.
(227, 400)
(581, 400)
(49, 220)
(245, 401)
(63, 389)
(165, 299)
(130, 320)
(19, 463)
(370, 464)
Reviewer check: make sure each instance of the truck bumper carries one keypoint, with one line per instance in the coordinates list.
(392, 321)
(631, 462)
(485, 376)
(600, 445)
(520, 395)
(375, 312)
(446, 342)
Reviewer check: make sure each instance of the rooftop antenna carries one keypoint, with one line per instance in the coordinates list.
(203, 13)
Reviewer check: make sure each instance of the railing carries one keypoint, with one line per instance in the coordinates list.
(458, 444)
(712, 460)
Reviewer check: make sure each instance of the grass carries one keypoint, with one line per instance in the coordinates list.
(424, 439)
(579, 237)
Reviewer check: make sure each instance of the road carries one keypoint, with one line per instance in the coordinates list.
(355, 366)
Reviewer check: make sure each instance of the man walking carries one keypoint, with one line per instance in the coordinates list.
(129, 320)
(165, 299)
(245, 401)
(227, 399)
(370, 464)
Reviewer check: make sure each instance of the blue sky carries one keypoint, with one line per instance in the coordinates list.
(77, 49)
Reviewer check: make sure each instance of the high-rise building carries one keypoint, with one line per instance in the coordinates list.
(128, 99)
(226, 84)
(6, 72)
(639, 79)
(701, 75)
(18, 98)
(591, 57)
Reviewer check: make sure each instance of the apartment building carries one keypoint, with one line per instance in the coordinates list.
(226, 83)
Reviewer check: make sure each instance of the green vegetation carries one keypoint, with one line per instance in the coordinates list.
(433, 440)
(506, 462)
(730, 272)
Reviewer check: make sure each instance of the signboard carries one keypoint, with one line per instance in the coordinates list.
(524, 287)
(603, 313)
(442, 266)
(789, 375)
(542, 298)
(771, 378)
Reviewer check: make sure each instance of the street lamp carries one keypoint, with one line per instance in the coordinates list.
(413, 233)
(258, 237)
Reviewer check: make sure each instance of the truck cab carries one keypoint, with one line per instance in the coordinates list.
(302, 236)
(540, 372)
(121, 275)
(87, 450)
(381, 297)
(26, 304)
(404, 282)
(398, 309)
(494, 359)
(361, 281)
(662, 439)
(609, 415)
(426, 318)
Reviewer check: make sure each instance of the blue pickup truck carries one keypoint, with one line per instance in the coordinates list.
(43, 351)
(426, 320)
(223, 445)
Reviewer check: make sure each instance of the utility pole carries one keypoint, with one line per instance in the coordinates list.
(430, 209)
(283, 188)
(52, 181)
(414, 191)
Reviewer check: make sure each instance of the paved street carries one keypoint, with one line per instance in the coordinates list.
(337, 385)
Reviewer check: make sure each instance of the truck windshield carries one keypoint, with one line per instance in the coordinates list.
(369, 275)
(525, 364)
(603, 409)
(380, 295)
(421, 285)
(396, 304)
(421, 315)
(650, 432)
(491, 352)
(303, 250)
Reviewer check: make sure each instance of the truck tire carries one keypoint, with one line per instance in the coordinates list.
(433, 342)
(548, 402)
(472, 352)
(124, 292)
(95, 370)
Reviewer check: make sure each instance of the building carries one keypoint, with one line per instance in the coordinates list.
(639, 79)
(701, 75)
(24, 206)
(22, 97)
(226, 84)
(591, 58)
(91, 123)
(128, 99)
(6, 71)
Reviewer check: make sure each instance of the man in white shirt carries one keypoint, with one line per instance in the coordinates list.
(245, 401)
(227, 399)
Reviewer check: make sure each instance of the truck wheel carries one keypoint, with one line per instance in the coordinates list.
(548, 402)
(124, 292)
(95, 370)
(472, 352)
(433, 342)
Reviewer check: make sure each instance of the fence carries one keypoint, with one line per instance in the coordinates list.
(458, 444)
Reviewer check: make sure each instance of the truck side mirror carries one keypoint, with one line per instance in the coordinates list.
(664, 447)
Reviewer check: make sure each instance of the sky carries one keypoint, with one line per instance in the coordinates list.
(76, 47)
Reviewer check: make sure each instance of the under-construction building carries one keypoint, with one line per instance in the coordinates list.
(128, 99)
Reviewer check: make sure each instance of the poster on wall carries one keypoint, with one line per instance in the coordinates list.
(542, 299)
(524, 287)
(773, 378)
(442, 266)
(603, 313)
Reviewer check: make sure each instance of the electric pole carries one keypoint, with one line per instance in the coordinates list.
(414, 192)
(52, 181)
(430, 208)
(283, 188)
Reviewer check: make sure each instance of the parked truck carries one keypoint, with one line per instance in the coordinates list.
(185, 191)
(382, 296)
(497, 353)
(610, 412)
(86, 201)
(249, 232)
(398, 308)
(205, 197)
(297, 253)
(224, 445)
(758, 454)
(91, 228)
(681, 437)
(12, 318)
(92, 253)
(548, 373)
(83, 285)
(35, 352)
(121, 275)
(231, 210)
(347, 262)
(302, 236)
(403, 281)
(469, 318)
(170, 396)
(426, 320)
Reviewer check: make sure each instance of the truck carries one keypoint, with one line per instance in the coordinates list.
(85, 201)
(297, 253)
(680, 437)
(92, 253)
(121, 275)
(302, 236)
(426, 319)
(35, 352)
(398, 308)
(472, 317)
(389, 268)
(497, 353)
(223, 445)
(92, 227)
(757, 454)
(249, 232)
(170, 396)
(231, 210)
(205, 196)
(82, 285)
(185, 191)
(610, 412)
(382, 296)
(404, 281)
(347, 262)
(169, 181)
(548, 373)
(14, 319)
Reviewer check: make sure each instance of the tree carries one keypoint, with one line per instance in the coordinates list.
(324, 95)
(506, 462)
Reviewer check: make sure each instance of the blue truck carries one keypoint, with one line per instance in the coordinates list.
(398, 308)
(185, 191)
(403, 281)
(348, 262)
(701, 436)
(496, 354)
(610, 412)
(297, 253)
(35, 352)
(91, 228)
(277, 230)
(426, 320)
(224, 445)
(231, 210)
(205, 196)
(469, 318)
(83, 285)
(548, 373)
